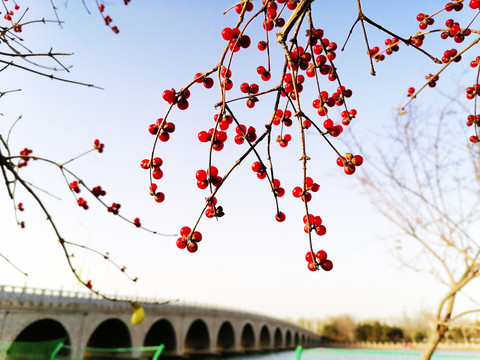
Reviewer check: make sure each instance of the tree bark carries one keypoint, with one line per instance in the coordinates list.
(433, 341)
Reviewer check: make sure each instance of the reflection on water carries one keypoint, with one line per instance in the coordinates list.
(355, 354)
(307, 354)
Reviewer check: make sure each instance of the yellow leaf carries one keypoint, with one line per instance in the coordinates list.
(138, 313)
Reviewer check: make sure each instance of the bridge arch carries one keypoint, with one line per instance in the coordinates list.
(162, 332)
(265, 339)
(198, 338)
(296, 339)
(226, 338)
(247, 340)
(277, 339)
(110, 334)
(288, 340)
(40, 338)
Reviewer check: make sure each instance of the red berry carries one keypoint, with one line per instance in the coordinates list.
(181, 243)
(280, 216)
(169, 95)
(327, 265)
(182, 104)
(197, 236)
(192, 247)
(185, 231)
(321, 255)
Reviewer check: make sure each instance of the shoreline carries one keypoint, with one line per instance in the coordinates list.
(403, 346)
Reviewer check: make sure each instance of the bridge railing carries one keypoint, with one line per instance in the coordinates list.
(31, 294)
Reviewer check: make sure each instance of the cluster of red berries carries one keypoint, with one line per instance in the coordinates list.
(347, 116)
(314, 224)
(299, 59)
(98, 191)
(277, 189)
(74, 186)
(310, 185)
(180, 99)
(259, 169)
(410, 91)
(283, 118)
(272, 18)
(425, 21)
(432, 80)
(227, 83)
(293, 82)
(250, 90)
(224, 121)
(473, 91)
(320, 259)
(8, 16)
(325, 45)
(236, 41)
(248, 7)
(455, 31)
(210, 176)
(374, 54)
(264, 73)
(336, 99)
(10, 13)
(473, 119)
(25, 156)
(165, 129)
(20, 206)
(284, 140)
(205, 80)
(349, 162)
(333, 130)
(392, 45)
(82, 203)
(114, 208)
(108, 20)
(245, 134)
(321, 62)
(290, 87)
(157, 195)
(449, 54)
(188, 240)
(137, 223)
(217, 138)
(212, 210)
(474, 63)
(97, 145)
(155, 165)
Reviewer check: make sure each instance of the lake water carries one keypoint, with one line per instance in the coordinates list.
(358, 354)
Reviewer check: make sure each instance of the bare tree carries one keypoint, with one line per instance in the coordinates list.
(427, 184)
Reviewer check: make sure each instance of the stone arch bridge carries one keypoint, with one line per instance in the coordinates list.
(85, 321)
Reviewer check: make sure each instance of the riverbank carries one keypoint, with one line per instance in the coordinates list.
(403, 346)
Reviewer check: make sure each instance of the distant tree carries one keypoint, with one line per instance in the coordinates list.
(419, 336)
(414, 328)
(340, 328)
(427, 184)
(377, 332)
(394, 334)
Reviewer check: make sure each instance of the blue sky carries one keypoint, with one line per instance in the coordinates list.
(247, 260)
